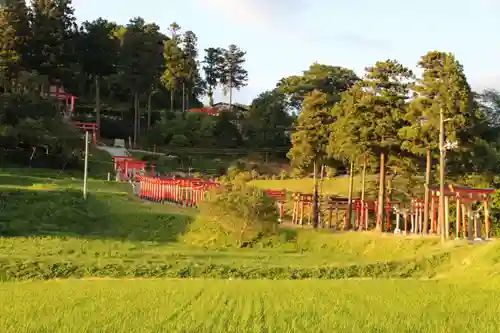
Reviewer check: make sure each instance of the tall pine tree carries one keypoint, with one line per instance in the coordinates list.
(15, 35)
(443, 85)
(212, 66)
(376, 117)
(52, 45)
(233, 75)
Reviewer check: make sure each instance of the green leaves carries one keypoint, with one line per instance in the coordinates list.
(233, 75)
(443, 85)
(15, 35)
(312, 131)
(331, 80)
(374, 108)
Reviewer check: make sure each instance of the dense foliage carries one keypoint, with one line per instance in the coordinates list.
(235, 215)
(136, 80)
(33, 133)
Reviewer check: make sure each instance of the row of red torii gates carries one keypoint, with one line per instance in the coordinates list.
(471, 208)
(67, 106)
(471, 204)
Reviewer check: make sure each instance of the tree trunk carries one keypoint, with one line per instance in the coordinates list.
(347, 224)
(138, 118)
(136, 111)
(363, 180)
(363, 190)
(188, 98)
(425, 229)
(210, 94)
(321, 179)
(315, 198)
(381, 195)
(171, 100)
(183, 97)
(149, 110)
(98, 105)
(230, 93)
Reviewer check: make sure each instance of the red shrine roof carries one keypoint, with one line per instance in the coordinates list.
(217, 107)
(208, 110)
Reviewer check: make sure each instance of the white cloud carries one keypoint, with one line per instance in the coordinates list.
(267, 12)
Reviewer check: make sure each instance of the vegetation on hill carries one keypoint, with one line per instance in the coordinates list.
(234, 215)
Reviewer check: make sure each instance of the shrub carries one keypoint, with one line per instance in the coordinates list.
(236, 215)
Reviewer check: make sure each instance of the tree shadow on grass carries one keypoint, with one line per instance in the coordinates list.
(100, 216)
(8, 180)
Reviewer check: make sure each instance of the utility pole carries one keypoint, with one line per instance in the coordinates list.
(315, 211)
(442, 153)
(347, 225)
(86, 164)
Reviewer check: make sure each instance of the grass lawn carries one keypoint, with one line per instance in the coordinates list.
(48, 231)
(140, 306)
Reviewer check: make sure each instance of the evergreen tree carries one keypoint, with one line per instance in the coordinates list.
(268, 121)
(331, 80)
(213, 70)
(141, 58)
(377, 116)
(98, 49)
(174, 64)
(15, 32)
(233, 74)
(310, 139)
(52, 45)
(443, 85)
(191, 75)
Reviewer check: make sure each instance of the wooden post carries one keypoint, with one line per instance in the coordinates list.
(336, 215)
(487, 226)
(311, 212)
(330, 216)
(459, 216)
(398, 230)
(477, 226)
(412, 220)
(446, 217)
(464, 221)
(301, 206)
(294, 208)
(470, 223)
(433, 214)
(406, 222)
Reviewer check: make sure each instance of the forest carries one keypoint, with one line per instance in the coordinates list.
(138, 80)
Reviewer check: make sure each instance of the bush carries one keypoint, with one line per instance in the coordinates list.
(235, 215)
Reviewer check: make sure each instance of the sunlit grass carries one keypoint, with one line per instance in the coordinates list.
(140, 306)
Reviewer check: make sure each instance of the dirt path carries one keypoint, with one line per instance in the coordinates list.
(114, 151)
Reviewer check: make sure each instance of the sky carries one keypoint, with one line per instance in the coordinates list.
(283, 37)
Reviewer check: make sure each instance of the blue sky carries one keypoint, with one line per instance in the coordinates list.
(283, 37)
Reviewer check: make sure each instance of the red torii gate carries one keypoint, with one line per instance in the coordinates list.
(467, 221)
(87, 127)
(279, 196)
(67, 98)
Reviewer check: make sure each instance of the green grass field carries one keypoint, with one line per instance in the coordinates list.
(109, 306)
(113, 263)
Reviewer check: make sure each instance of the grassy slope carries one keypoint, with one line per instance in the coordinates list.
(248, 306)
(114, 234)
(55, 233)
(52, 225)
